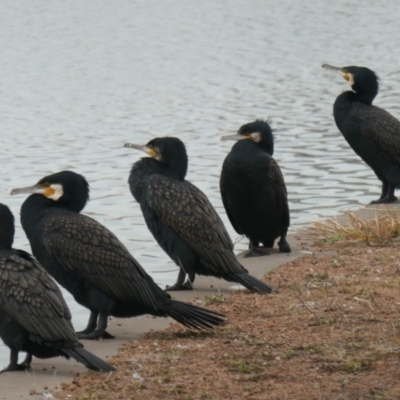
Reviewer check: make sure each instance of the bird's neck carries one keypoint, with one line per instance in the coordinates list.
(365, 96)
(175, 169)
(344, 102)
(5, 242)
(250, 148)
(32, 210)
(7, 235)
(147, 167)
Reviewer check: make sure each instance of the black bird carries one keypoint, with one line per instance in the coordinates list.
(182, 219)
(253, 189)
(372, 132)
(91, 263)
(34, 317)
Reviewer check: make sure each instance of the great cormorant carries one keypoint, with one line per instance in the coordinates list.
(253, 189)
(91, 263)
(34, 317)
(372, 132)
(182, 219)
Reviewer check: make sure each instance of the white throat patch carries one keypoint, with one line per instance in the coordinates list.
(256, 137)
(58, 191)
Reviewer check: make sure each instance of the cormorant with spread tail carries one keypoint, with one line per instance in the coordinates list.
(91, 263)
(182, 219)
(372, 132)
(34, 317)
(253, 189)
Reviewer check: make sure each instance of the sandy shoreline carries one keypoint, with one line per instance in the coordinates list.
(47, 375)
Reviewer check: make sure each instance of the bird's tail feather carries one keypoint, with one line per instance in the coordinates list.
(192, 316)
(88, 359)
(251, 283)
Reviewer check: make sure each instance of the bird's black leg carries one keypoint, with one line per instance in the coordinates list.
(100, 331)
(390, 193)
(91, 326)
(283, 245)
(188, 285)
(255, 251)
(178, 285)
(27, 362)
(14, 366)
(387, 195)
(385, 187)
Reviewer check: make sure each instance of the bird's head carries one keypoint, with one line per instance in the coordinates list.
(66, 188)
(362, 80)
(258, 132)
(168, 151)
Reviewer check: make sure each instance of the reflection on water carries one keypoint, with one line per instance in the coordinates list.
(79, 79)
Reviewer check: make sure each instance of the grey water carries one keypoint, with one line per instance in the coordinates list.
(78, 79)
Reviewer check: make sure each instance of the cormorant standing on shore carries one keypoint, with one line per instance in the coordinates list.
(253, 189)
(372, 132)
(34, 317)
(91, 263)
(182, 219)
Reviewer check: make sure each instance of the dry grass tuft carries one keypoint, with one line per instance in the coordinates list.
(383, 229)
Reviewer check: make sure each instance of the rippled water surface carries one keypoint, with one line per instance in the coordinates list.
(79, 79)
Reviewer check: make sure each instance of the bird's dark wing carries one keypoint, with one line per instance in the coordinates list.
(224, 195)
(381, 129)
(30, 296)
(276, 180)
(187, 212)
(89, 250)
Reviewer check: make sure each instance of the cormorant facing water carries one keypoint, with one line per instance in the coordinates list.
(372, 132)
(182, 219)
(34, 317)
(253, 189)
(91, 263)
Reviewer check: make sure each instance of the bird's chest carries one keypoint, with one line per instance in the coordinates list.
(245, 172)
(349, 123)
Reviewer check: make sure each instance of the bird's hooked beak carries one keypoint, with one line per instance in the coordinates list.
(148, 150)
(254, 136)
(37, 189)
(53, 191)
(349, 77)
(235, 137)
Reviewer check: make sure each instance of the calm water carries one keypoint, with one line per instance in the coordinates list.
(79, 79)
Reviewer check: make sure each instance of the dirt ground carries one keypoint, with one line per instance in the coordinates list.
(331, 331)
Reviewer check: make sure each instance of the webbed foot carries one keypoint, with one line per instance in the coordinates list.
(384, 200)
(284, 246)
(178, 286)
(95, 335)
(99, 333)
(16, 367)
(255, 252)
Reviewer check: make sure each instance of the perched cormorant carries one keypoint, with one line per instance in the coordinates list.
(34, 317)
(253, 189)
(91, 263)
(182, 219)
(372, 132)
